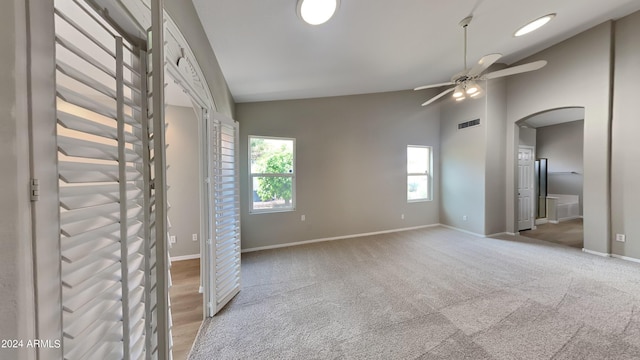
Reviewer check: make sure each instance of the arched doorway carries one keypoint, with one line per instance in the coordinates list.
(550, 176)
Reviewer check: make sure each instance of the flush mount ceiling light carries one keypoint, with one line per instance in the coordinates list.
(534, 25)
(316, 12)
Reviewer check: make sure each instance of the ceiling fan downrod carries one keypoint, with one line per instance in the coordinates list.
(465, 23)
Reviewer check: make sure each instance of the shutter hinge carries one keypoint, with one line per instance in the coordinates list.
(210, 306)
(35, 190)
(207, 180)
(209, 242)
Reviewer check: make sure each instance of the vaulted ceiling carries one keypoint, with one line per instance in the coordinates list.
(267, 53)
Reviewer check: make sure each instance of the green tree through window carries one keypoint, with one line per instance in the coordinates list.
(277, 187)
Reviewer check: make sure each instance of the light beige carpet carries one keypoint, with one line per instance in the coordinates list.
(428, 294)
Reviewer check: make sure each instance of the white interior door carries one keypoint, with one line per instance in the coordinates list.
(525, 187)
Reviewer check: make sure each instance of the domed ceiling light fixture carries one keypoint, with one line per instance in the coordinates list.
(316, 12)
(534, 25)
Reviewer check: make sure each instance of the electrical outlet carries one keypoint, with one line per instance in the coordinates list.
(621, 237)
(303, 217)
(464, 217)
(194, 237)
(402, 217)
(172, 239)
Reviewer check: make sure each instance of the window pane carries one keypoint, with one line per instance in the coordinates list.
(417, 187)
(271, 156)
(417, 160)
(272, 193)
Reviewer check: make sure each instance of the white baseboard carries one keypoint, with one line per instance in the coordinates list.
(626, 258)
(569, 218)
(595, 253)
(499, 234)
(278, 246)
(541, 221)
(185, 257)
(462, 230)
(476, 234)
(554, 222)
(513, 234)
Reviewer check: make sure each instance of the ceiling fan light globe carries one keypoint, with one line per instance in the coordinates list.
(475, 94)
(460, 98)
(472, 87)
(458, 92)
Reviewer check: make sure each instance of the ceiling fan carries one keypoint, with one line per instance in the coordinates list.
(466, 81)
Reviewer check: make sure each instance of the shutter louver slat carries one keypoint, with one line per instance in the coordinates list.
(107, 232)
(75, 222)
(91, 60)
(223, 290)
(90, 82)
(101, 289)
(105, 333)
(86, 126)
(76, 197)
(74, 296)
(80, 172)
(84, 270)
(77, 99)
(105, 311)
(224, 262)
(90, 249)
(92, 150)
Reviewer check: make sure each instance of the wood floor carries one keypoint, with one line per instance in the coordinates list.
(186, 305)
(568, 233)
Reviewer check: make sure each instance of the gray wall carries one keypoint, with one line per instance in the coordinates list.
(473, 162)
(563, 145)
(182, 178)
(562, 83)
(625, 163)
(184, 15)
(351, 164)
(463, 165)
(496, 131)
(527, 136)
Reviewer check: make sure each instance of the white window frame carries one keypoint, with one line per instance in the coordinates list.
(252, 175)
(429, 174)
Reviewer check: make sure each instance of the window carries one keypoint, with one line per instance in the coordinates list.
(272, 182)
(418, 173)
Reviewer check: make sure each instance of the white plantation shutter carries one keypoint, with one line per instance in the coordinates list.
(225, 197)
(106, 169)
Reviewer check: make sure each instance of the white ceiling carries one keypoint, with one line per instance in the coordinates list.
(267, 53)
(554, 117)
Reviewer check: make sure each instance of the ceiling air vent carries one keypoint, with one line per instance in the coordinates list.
(468, 124)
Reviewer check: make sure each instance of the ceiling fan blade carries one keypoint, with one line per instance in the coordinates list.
(515, 70)
(438, 96)
(483, 64)
(433, 86)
